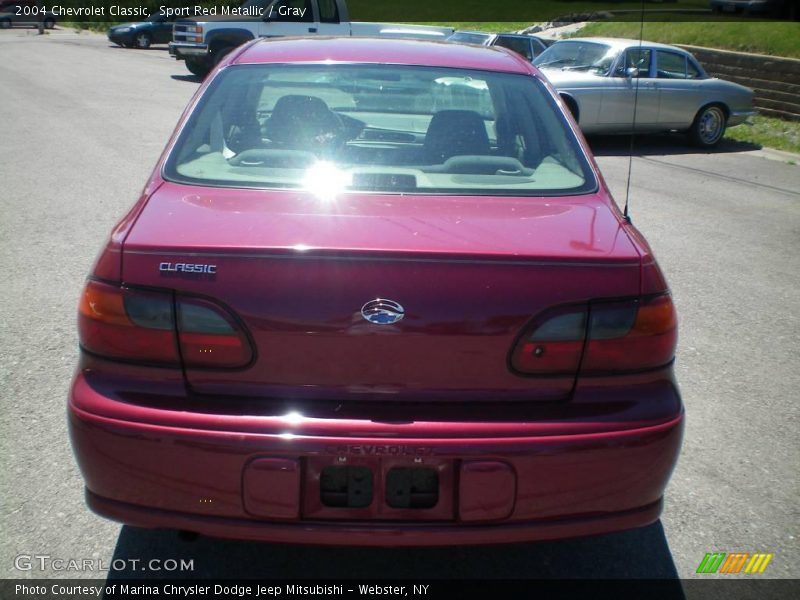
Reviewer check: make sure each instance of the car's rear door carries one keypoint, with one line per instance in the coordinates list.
(679, 90)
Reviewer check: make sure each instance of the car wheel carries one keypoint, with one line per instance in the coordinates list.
(708, 127)
(221, 53)
(143, 40)
(5, 23)
(198, 68)
(49, 23)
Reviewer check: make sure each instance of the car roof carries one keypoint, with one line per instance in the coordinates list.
(381, 50)
(624, 43)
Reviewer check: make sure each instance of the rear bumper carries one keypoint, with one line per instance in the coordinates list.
(737, 117)
(121, 38)
(374, 534)
(238, 483)
(181, 50)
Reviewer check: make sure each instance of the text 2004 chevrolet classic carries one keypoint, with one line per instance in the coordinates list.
(376, 292)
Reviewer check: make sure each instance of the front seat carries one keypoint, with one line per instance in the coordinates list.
(455, 133)
(304, 123)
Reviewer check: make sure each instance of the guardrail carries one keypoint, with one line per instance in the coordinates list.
(776, 81)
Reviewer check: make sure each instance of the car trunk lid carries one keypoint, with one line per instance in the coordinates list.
(469, 273)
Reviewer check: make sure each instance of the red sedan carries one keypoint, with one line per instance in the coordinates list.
(376, 292)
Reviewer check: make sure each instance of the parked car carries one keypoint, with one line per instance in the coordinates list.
(25, 13)
(204, 42)
(155, 30)
(528, 46)
(376, 292)
(617, 86)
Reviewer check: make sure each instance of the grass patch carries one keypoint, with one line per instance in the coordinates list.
(768, 132)
(773, 38)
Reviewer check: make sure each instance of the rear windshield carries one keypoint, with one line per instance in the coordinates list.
(379, 128)
(465, 37)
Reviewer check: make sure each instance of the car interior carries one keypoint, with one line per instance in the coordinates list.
(475, 132)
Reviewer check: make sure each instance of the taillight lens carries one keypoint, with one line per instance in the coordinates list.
(639, 336)
(155, 327)
(124, 324)
(600, 337)
(209, 337)
(554, 343)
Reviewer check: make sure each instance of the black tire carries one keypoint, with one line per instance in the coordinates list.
(200, 69)
(708, 126)
(5, 23)
(49, 23)
(572, 106)
(143, 40)
(221, 53)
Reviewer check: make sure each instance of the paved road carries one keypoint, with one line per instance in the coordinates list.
(83, 123)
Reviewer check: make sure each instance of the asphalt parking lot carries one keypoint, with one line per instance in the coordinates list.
(82, 125)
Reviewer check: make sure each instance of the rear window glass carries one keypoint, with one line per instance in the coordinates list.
(463, 37)
(519, 45)
(379, 128)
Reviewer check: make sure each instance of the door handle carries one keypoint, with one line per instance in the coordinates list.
(312, 30)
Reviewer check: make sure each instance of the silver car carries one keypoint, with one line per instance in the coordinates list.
(615, 85)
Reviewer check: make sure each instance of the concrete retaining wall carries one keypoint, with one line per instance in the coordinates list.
(776, 81)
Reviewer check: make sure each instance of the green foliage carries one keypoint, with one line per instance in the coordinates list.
(768, 132)
(763, 37)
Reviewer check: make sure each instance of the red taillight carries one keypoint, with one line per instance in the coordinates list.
(141, 326)
(209, 337)
(648, 339)
(600, 337)
(553, 344)
(127, 324)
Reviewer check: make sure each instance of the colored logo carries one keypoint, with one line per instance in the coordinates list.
(734, 562)
(382, 312)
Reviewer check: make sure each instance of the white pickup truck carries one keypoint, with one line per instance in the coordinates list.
(202, 40)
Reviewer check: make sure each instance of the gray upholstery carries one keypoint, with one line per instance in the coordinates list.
(303, 123)
(455, 133)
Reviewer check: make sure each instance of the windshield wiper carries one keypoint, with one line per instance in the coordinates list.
(554, 62)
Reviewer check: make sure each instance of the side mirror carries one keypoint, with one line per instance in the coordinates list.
(631, 72)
